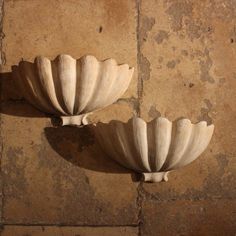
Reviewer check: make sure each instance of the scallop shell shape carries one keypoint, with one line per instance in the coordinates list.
(156, 147)
(72, 88)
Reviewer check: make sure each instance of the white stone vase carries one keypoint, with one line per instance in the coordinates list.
(71, 89)
(156, 147)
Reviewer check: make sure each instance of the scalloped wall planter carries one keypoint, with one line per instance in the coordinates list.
(156, 147)
(70, 88)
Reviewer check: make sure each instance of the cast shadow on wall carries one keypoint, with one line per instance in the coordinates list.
(12, 101)
(79, 146)
(76, 145)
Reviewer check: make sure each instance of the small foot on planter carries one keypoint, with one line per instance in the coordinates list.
(155, 177)
(78, 120)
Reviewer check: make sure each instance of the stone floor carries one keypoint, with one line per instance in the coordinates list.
(57, 181)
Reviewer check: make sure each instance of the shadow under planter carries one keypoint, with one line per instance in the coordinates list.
(79, 146)
(76, 145)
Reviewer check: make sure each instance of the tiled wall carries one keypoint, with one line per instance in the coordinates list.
(57, 181)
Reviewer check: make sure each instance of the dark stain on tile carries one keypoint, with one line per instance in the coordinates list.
(205, 112)
(221, 183)
(160, 59)
(184, 52)
(191, 85)
(177, 11)
(181, 13)
(222, 162)
(205, 67)
(193, 29)
(171, 64)
(233, 35)
(161, 36)
(146, 25)
(196, 29)
(132, 101)
(145, 67)
(14, 174)
(100, 29)
(223, 10)
(153, 112)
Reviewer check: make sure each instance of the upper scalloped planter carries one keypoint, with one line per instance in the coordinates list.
(154, 148)
(72, 88)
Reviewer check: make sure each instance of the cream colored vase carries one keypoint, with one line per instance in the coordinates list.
(70, 88)
(156, 147)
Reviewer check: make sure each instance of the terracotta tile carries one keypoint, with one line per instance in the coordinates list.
(187, 49)
(189, 218)
(59, 175)
(103, 29)
(68, 231)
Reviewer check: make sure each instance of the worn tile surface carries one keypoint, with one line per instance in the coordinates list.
(105, 29)
(67, 231)
(52, 175)
(59, 175)
(193, 218)
(187, 50)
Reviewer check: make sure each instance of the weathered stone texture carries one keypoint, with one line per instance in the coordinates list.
(105, 29)
(186, 51)
(190, 48)
(59, 175)
(67, 231)
(189, 218)
(189, 52)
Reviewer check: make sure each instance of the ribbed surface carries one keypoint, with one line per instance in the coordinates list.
(154, 146)
(67, 86)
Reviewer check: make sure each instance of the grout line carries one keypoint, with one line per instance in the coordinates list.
(10, 100)
(140, 81)
(2, 62)
(140, 199)
(2, 54)
(68, 225)
(139, 94)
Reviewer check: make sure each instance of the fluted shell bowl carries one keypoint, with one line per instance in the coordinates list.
(71, 88)
(156, 147)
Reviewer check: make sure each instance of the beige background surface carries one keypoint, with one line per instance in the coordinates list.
(184, 54)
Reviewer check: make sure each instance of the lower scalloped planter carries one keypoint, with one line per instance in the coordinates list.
(156, 147)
